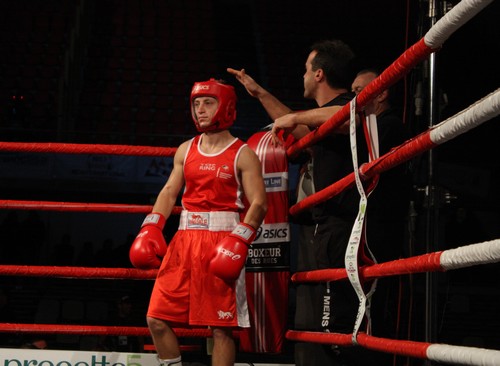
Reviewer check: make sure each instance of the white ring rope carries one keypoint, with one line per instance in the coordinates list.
(471, 255)
(458, 355)
(462, 257)
(479, 112)
(461, 13)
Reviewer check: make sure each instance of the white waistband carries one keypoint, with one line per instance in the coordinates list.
(212, 221)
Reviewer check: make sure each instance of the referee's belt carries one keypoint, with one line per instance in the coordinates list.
(212, 221)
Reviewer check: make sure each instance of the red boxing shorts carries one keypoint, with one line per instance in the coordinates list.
(184, 291)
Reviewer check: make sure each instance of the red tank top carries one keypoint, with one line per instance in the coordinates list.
(212, 183)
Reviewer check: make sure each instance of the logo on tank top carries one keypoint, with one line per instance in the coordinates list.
(207, 166)
(198, 220)
(223, 172)
(225, 314)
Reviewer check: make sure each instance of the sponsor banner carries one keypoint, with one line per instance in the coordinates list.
(270, 251)
(24, 165)
(276, 182)
(154, 169)
(268, 257)
(273, 233)
(23, 357)
(140, 169)
(104, 167)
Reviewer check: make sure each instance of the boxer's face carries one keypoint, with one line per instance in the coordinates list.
(205, 109)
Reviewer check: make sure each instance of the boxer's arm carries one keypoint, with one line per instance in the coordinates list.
(149, 246)
(167, 197)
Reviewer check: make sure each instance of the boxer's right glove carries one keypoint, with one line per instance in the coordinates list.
(229, 255)
(149, 246)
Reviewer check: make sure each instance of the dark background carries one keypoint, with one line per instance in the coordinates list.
(120, 72)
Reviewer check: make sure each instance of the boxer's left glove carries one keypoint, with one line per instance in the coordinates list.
(149, 246)
(228, 256)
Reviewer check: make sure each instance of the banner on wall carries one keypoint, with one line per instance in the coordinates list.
(86, 167)
(44, 357)
(21, 357)
(17, 165)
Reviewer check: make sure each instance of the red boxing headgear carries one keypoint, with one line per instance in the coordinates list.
(226, 110)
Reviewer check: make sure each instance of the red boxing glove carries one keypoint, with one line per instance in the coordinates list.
(149, 246)
(229, 256)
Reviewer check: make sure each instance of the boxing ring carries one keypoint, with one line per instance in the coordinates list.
(474, 254)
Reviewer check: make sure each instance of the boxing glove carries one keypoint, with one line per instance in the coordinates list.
(229, 255)
(149, 246)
